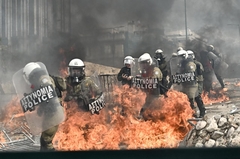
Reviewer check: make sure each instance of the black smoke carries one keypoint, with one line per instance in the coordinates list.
(92, 17)
(217, 23)
(88, 19)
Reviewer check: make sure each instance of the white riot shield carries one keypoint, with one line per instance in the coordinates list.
(99, 103)
(175, 68)
(179, 74)
(38, 100)
(135, 70)
(143, 79)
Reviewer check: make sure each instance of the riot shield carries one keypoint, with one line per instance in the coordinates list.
(39, 101)
(146, 79)
(179, 74)
(135, 70)
(223, 66)
(219, 65)
(98, 104)
(174, 67)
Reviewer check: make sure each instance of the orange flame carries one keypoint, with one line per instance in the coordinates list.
(116, 126)
(215, 96)
(12, 116)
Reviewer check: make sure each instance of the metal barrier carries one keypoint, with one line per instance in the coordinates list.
(108, 81)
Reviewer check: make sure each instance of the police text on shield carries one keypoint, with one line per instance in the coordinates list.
(147, 83)
(37, 97)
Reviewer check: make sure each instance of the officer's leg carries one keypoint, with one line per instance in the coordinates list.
(191, 100)
(200, 105)
(147, 103)
(219, 78)
(163, 89)
(46, 139)
(200, 87)
(207, 83)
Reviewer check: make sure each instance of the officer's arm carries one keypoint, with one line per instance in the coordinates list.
(199, 69)
(158, 74)
(119, 76)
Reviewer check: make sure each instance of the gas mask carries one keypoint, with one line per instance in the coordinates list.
(77, 74)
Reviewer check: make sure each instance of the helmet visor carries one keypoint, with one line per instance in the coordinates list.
(77, 71)
(158, 56)
(144, 64)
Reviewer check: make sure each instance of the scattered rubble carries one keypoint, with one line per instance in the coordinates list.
(214, 131)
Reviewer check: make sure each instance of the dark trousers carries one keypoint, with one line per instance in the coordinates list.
(220, 80)
(200, 104)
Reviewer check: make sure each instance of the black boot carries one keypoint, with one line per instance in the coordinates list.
(200, 105)
(220, 80)
(43, 145)
(191, 100)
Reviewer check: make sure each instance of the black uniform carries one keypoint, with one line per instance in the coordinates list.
(218, 70)
(124, 71)
(208, 71)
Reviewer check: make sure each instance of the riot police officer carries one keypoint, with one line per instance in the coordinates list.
(208, 71)
(124, 74)
(190, 85)
(149, 71)
(199, 78)
(217, 62)
(163, 66)
(37, 78)
(80, 88)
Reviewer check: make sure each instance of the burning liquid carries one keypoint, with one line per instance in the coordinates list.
(215, 96)
(117, 127)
